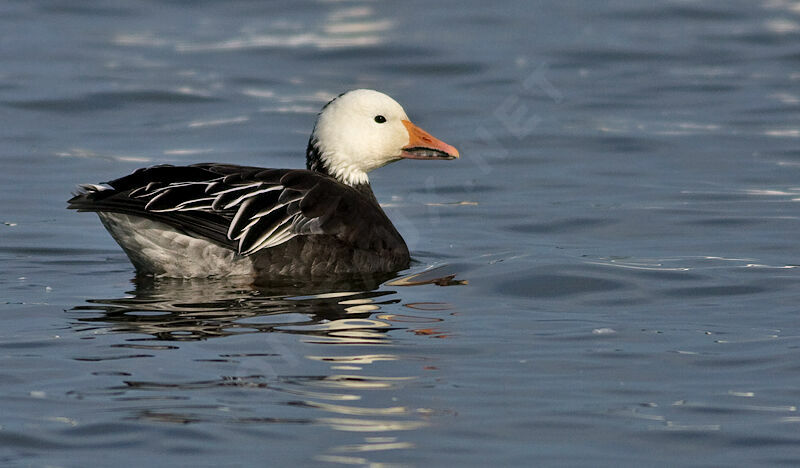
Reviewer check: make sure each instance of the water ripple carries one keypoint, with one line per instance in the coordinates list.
(101, 101)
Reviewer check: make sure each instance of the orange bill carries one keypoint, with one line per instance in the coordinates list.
(423, 145)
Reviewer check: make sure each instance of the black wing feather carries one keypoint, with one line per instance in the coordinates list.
(245, 208)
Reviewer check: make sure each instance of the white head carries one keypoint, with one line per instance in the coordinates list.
(362, 130)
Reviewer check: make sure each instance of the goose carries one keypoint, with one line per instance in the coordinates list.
(213, 219)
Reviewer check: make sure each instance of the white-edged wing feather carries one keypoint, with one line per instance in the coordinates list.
(247, 209)
(263, 213)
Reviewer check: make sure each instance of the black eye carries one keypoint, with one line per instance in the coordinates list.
(380, 119)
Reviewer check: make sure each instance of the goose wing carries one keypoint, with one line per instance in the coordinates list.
(247, 209)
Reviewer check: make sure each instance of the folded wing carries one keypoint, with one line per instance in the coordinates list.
(246, 209)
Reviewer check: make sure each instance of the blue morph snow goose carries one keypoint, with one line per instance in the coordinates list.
(222, 219)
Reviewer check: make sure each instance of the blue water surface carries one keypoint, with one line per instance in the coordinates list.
(614, 258)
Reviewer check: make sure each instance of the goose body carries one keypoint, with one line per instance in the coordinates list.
(222, 219)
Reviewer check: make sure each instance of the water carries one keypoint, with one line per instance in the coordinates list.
(616, 255)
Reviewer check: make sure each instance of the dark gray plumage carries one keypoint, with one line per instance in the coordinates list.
(332, 228)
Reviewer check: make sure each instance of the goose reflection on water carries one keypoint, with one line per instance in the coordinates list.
(190, 309)
(340, 381)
